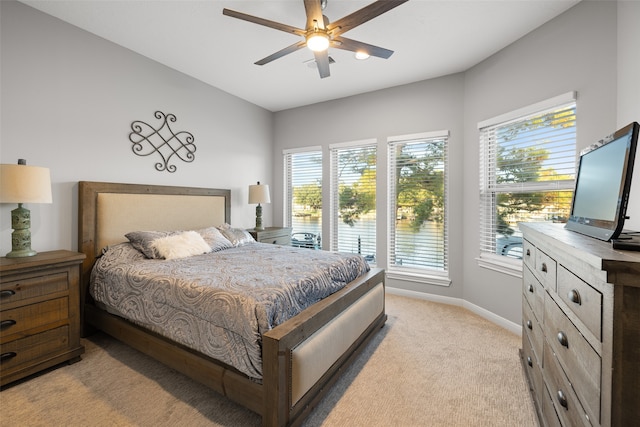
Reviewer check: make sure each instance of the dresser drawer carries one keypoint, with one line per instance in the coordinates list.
(549, 415)
(533, 292)
(582, 299)
(21, 319)
(533, 330)
(277, 240)
(273, 235)
(546, 270)
(529, 254)
(567, 404)
(532, 367)
(29, 349)
(17, 291)
(579, 360)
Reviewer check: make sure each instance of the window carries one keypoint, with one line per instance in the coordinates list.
(353, 198)
(303, 196)
(417, 202)
(527, 173)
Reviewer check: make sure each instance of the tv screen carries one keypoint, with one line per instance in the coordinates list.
(602, 185)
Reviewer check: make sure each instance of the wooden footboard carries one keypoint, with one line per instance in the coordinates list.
(334, 330)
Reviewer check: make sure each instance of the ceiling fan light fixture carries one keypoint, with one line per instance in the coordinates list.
(361, 55)
(318, 42)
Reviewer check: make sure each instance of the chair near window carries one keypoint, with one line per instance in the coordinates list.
(306, 240)
(510, 246)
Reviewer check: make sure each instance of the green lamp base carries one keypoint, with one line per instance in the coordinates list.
(259, 226)
(21, 253)
(21, 236)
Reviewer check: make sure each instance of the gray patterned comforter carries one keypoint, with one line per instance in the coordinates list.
(220, 303)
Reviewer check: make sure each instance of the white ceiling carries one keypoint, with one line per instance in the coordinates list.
(430, 38)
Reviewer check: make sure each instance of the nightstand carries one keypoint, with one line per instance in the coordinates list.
(275, 235)
(39, 313)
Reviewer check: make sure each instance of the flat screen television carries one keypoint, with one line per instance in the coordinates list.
(603, 182)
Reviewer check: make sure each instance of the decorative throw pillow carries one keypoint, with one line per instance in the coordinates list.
(180, 245)
(237, 236)
(215, 239)
(142, 240)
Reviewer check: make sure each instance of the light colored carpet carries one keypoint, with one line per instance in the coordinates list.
(430, 365)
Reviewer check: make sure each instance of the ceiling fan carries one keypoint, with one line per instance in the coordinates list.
(319, 34)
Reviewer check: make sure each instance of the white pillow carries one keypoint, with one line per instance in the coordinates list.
(181, 245)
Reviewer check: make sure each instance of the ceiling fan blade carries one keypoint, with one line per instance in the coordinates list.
(356, 46)
(322, 61)
(265, 22)
(282, 52)
(363, 15)
(314, 14)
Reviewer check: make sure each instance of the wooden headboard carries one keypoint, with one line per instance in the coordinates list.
(107, 211)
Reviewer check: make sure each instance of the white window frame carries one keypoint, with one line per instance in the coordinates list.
(416, 274)
(493, 261)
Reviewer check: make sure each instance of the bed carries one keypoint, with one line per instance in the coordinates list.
(300, 357)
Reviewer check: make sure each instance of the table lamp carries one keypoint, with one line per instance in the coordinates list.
(259, 193)
(23, 184)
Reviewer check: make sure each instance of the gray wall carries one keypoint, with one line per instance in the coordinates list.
(556, 58)
(68, 99)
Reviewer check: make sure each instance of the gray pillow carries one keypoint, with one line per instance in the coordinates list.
(215, 239)
(237, 236)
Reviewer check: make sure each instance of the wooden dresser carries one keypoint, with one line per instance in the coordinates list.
(39, 313)
(581, 328)
(275, 235)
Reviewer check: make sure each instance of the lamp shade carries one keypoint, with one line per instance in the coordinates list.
(24, 184)
(259, 193)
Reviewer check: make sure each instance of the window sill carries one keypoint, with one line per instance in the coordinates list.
(510, 266)
(429, 279)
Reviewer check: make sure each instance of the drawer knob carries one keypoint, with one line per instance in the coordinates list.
(562, 399)
(7, 323)
(562, 339)
(7, 356)
(529, 361)
(544, 267)
(7, 293)
(574, 297)
(530, 288)
(529, 324)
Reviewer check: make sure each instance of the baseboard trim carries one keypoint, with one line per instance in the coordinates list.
(482, 312)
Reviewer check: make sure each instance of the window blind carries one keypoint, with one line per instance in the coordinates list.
(303, 191)
(527, 173)
(353, 198)
(417, 202)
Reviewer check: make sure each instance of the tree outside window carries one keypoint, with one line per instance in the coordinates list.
(527, 176)
(354, 200)
(418, 202)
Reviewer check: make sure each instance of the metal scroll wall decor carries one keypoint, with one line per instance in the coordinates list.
(169, 145)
